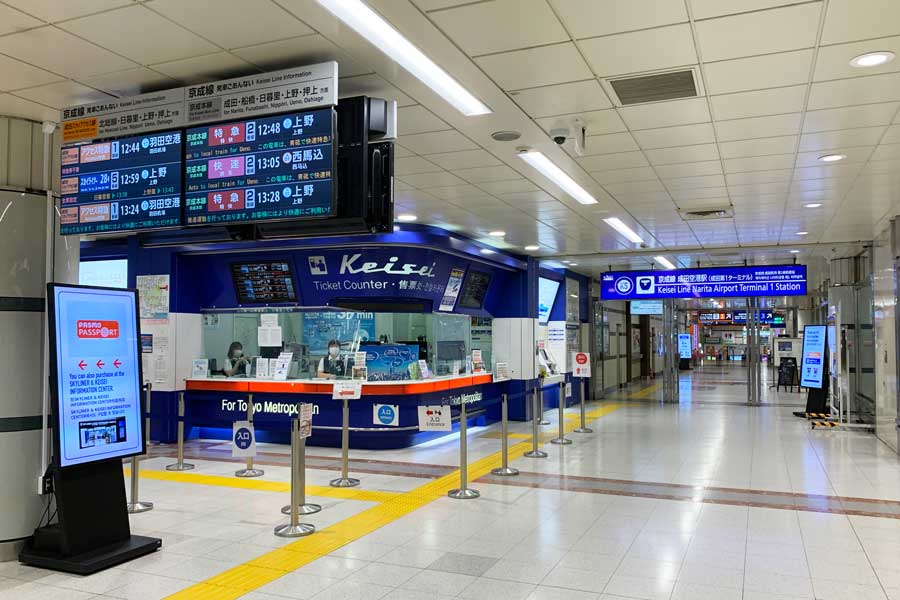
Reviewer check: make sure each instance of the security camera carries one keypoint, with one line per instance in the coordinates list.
(559, 135)
(644, 245)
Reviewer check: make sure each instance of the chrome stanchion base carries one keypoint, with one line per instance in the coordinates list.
(535, 454)
(544, 422)
(139, 507)
(584, 430)
(561, 441)
(465, 494)
(303, 509)
(292, 531)
(179, 467)
(249, 473)
(503, 471)
(344, 482)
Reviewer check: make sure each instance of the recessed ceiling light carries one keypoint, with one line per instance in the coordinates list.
(794, 251)
(549, 169)
(565, 262)
(802, 233)
(532, 247)
(573, 264)
(624, 229)
(407, 218)
(506, 136)
(366, 22)
(664, 262)
(832, 157)
(487, 251)
(812, 205)
(872, 59)
(497, 233)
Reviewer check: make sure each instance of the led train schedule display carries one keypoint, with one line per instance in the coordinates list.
(271, 168)
(120, 185)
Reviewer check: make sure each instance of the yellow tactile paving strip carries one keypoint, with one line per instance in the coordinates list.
(252, 575)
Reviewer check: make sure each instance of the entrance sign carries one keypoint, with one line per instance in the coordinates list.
(581, 364)
(813, 362)
(782, 280)
(96, 366)
(435, 418)
(243, 439)
(684, 345)
(386, 415)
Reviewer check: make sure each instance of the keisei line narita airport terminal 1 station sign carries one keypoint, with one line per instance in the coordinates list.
(781, 280)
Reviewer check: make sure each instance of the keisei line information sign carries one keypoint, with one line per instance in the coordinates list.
(781, 280)
(97, 373)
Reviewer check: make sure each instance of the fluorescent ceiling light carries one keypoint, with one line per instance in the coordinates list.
(532, 247)
(558, 176)
(794, 251)
(369, 24)
(832, 157)
(872, 59)
(497, 233)
(624, 229)
(812, 205)
(665, 262)
(802, 233)
(573, 264)
(407, 218)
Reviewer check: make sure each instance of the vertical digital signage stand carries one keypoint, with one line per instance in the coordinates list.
(97, 421)
(814, 374)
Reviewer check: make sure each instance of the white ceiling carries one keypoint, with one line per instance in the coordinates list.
(778, 93)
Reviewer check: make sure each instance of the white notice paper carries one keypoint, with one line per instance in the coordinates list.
(282, 366)
(351, 390)
(305, 418)
(268, 320)
(262, 368)
(268, 337)
(200, 368)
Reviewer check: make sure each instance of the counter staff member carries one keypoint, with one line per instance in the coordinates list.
(333, 365)
(235, 363)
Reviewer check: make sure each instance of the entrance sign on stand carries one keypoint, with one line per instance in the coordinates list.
(781, 280)
(243, 440)
(581, 364)
(813, 365)
(435, 418)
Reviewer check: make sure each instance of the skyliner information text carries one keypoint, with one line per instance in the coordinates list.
(782, 280)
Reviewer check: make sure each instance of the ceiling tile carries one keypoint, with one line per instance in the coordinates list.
(759, 127)
(12, 20)
(861, 90)
(705, 9)
(508, 187)
(62, 94)
(596, 122)
(683, 135)
(666, 114)
(609, 143)
(418, 119)
(850, 20)
(708, 167)
(758, 72)
(211, 67)
(483, 174)
(833, 62)
(756, 189)
(867, 115)
(372, 85)
(868, 136)
(17, 75)
(413, 165)
(563, 99)
(61, 52)
(306, 50)
(758, 103)
(130, 82)
(758, 177)
(485, 28)
(125, 31)
(759, 163)
(759, 147)
(535, 67)
(690, 183)
(603, 17)
(464, 159)
(19, 107)
(635, 187)
(683, 154)
(459, 192)
(789, 28)
(693, 194)
(432, 180)
(639, 51)
(53, 10)
(892, 135)
(225, 22)
(606, 162)
(886, 152)
(623, 175)
(437, 141)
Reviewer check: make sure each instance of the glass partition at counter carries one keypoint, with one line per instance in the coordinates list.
(394, 343)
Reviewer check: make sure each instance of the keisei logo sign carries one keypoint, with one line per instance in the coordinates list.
(99, 330)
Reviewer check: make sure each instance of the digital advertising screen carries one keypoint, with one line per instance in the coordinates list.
(780, 280)
(646, 307)
(813, 360)
(474, 289)
(547, 289)
(96, 363)
(684, 345)
(265, 169)
(126, 184)
(264, 282)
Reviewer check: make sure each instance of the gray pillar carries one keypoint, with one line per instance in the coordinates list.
(670, 345)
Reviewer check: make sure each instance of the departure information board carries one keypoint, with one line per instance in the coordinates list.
(264, 282)
(121, 185)
(266, 169)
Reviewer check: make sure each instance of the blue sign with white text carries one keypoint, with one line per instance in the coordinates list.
(782, 280)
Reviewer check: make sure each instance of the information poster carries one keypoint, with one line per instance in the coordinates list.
(813, 363)
(684, 345)
(153, 291)
(321, 327)
(451, 293)
(98, 378)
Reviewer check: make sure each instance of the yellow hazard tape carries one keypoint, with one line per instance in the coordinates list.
(264, 569)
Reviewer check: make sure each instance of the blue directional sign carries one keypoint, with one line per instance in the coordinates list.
(782, 280)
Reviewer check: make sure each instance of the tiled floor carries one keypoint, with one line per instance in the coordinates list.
(620, 536)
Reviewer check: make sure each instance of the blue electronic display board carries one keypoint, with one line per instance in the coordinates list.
(684, 345)
(547, 289)
(97, 365)
(782, 280)
(813, 360)
(121, 185)
(265, 169)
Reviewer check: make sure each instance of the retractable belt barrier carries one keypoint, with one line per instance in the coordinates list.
(504, 469)
(298, 503)
(561, 438)
(537, 407)
(463, 493)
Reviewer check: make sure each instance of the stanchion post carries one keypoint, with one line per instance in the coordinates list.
(561, 439)
(584, 428)
(536, 404)
(180, 465)
(148, 387)
(249, 470)
(504, 469)
(541, 396)
(463, 493)
(298, 488)
(345, 481)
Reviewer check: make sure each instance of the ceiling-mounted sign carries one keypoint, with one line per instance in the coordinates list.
(123, 116)
(301, 88)
(783, 280)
